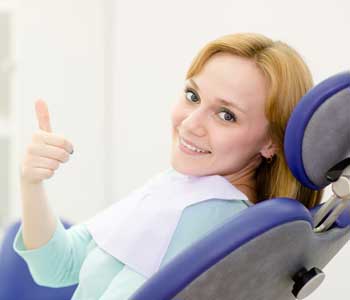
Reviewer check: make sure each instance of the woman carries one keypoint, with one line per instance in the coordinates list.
(229, 121)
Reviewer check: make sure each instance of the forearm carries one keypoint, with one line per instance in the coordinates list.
(38, 218)
(58, 262)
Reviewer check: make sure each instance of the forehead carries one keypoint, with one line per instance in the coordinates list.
(236, 79)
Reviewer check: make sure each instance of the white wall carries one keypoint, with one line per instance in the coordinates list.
(155, 42)
(60, 57)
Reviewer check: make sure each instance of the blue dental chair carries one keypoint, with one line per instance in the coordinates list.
(282, 246)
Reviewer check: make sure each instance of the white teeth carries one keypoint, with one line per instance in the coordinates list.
(192, 148)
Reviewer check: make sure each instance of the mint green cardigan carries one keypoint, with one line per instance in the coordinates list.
(71, 256)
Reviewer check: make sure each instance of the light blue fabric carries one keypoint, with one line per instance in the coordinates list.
(71, 256)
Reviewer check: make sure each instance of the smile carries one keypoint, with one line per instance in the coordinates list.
(192, 148)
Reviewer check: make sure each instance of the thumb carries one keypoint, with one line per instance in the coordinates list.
(42, 114)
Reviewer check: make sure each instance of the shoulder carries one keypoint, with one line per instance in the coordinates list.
(216, 206)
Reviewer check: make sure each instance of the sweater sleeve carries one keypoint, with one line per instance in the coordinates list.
(58, 262)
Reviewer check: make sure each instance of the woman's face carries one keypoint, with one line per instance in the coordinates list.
(231, 136)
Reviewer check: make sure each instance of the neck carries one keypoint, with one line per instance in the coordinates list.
(245, 180)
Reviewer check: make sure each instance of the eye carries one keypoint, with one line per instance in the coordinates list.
(228, 116)
(192, 96)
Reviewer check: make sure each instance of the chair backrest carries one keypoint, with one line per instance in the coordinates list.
(16, 282)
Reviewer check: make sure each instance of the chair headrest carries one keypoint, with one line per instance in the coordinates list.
(317, 136)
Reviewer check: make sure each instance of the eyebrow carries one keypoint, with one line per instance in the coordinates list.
(227, 103)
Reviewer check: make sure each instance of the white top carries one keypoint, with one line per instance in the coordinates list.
(147, 218)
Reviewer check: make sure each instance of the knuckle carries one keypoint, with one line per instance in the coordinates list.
(31, 148)
(63, 155)
(61, 142)
(64, 143)
(55, 164)
(49, 173)
(66, 158)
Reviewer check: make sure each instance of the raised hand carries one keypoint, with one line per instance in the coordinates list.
(46, 151)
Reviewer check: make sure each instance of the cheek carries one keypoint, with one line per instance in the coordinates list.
(178, 114)
(234, 141)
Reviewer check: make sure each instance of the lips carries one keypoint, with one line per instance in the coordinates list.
(194, 145)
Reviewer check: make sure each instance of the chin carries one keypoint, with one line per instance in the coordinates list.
(179, 163)
(186, 170)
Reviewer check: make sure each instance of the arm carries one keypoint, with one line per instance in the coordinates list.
(43, 156)
(58, 262)
(38, 219)
(42, 238)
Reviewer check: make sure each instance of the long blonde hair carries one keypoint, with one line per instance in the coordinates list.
(289, 79)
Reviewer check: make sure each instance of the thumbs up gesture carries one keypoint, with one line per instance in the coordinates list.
(46, 151)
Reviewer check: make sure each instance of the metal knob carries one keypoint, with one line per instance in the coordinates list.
(306, 282)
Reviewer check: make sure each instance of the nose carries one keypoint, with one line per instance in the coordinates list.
(194, 123)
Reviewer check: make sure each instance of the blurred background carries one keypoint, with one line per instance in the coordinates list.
(110, 72)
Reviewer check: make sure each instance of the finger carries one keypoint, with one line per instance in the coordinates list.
(43, 173)
(53, 140)
(49, 152)
(42, 162)
(42, 114)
